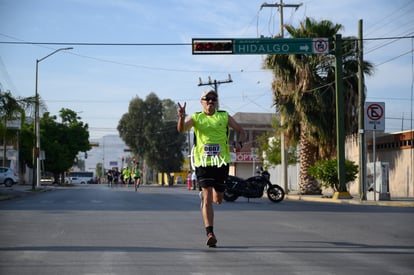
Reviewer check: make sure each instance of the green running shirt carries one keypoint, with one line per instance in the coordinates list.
(211, 139)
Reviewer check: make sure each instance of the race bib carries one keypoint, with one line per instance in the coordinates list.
(211, 150)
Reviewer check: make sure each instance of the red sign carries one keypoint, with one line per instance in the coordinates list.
(245, 157)
(321, 45)
(375, 111)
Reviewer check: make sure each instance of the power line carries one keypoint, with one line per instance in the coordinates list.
(386, 38)
(394, 38)
(92, 43)
(391, 17)
(159, 44)
(396, 57)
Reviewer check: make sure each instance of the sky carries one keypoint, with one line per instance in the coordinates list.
(99, 81)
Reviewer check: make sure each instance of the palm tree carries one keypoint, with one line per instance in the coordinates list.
(11, 108)
(304, 95)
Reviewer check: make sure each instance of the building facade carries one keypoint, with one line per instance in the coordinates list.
(244, 163)
(395, 151)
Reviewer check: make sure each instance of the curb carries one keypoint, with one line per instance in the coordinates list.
(9, 194)
(395, 203)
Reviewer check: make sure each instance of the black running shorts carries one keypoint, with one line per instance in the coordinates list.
(212, 176)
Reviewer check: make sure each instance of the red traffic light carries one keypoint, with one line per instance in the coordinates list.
(203, 46)
(216, 46)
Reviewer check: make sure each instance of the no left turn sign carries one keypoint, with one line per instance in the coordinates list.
(375, 116)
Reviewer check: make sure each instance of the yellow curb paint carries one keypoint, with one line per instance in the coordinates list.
(341, 195)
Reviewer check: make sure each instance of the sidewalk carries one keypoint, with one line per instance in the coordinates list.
(397, 202)
(19, 190)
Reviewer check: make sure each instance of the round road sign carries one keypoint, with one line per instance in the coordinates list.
(375, 111)
(320, 45)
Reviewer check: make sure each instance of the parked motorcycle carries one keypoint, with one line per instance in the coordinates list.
(253, 187)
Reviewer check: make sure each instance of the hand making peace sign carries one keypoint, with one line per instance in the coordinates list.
(181, 109)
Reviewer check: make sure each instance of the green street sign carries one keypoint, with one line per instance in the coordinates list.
(260, 45)
(280, 45)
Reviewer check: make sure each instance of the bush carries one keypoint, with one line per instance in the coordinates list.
(326, 171)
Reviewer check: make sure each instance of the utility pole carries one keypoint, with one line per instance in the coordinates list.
(214, 83)
(283, 157)
(280, 6)
(361, 106)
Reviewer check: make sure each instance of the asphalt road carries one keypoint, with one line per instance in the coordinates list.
(93, 229)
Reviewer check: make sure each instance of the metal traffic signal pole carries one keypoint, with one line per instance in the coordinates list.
(361, 103)
(340, 123)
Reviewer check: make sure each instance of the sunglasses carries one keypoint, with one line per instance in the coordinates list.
(214, 99)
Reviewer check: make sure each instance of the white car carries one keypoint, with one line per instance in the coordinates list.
(8, 176)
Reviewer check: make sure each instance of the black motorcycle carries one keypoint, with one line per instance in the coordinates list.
(253, 187)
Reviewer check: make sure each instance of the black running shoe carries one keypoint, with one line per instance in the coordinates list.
(211, 240)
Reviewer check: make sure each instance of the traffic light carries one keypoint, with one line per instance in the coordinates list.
(212, 46)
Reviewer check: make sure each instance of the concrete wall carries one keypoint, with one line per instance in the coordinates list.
(401, 169)
(401, 166)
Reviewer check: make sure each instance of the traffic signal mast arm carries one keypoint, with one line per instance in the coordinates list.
(260, 46)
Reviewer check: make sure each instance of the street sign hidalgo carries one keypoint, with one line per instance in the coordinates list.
(260, 46)
(281, 46)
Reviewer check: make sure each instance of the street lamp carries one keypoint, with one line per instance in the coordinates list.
(37, 118)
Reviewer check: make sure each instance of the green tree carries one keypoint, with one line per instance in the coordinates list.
(169, 110)
(167, 155)
(149, 130)
(270, 145)
(131, 126)
(62, 141)
(11, 108)
(27, 143)
(327, 172)
(304, 94)
(152, 130)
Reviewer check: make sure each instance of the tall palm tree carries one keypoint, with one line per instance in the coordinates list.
(10, 108)
(304, 95)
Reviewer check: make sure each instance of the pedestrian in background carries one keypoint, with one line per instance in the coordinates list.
(136, 172)
(126, 173)
(109, 177)
(189, 182)
(194, 180)
(115, 176)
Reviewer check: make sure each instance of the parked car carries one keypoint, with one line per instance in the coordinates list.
(80, 177)
(8, 176)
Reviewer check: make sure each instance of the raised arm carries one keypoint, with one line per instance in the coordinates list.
(233, 124)
(183, 125)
